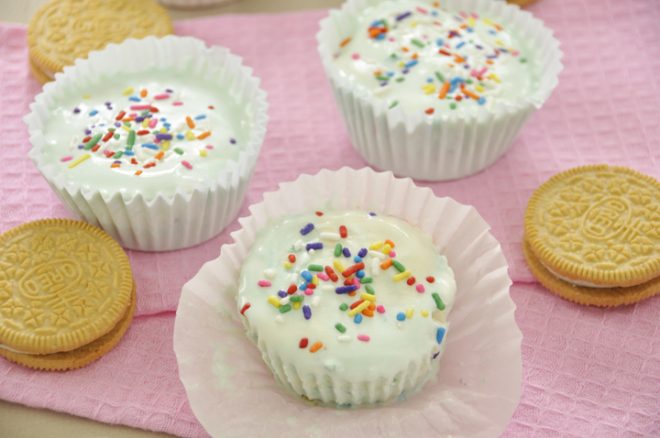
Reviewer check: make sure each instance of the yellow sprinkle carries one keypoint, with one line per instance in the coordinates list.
(86, 96)
(357, 309)
(425, 313)
(145, 123)
(165, 145)
(190, 136)
(487, 21)
(402, 64)
(163, 129)
(414, 24)
(296, 305)
(377, 245)
(386, 249)
(204, 153)
(494, 77)
(410, 313)
(368, 297)
(79, 160)
(315, 280)
(499, 43)
(480, 88)
(471, 22)
(126, 128)
(338, 266)
(401, 276)
(272, 299)
(287, 265)
(128, 91)
(429, 89)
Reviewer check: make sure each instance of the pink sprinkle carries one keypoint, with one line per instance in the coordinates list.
(392, 254)
(515, 53)
(153, 122)
(209, 147)
(363, 338)
(140, 107)
(420, 288)
(186, 164)
(355, 56)
(177, 103)
(422, 10)
(309, 291)
(162, 96)
(356, 282)
(67, 158)
(264, 283)
(323, 276)
(380, 308)
(391, 39)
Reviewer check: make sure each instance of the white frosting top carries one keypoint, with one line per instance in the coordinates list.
(423, 58)
(145, 134)
(399, 307)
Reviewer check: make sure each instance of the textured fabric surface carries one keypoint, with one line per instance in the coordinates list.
(587, 372)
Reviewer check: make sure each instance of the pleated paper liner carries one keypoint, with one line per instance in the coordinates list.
(169, 220)
(478, 383)
(451, 145)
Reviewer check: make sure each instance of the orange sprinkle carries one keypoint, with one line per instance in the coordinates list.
(316, 347)
(489, 62)
(190, 122)
(444, 90)
(203, 135)
(143, 93)
(386, 264)
(497, 26)
(390, 243)
(429, 111)
(415, 56)
(372, 307)
(405, 49)
(138, 173)
(351, 294)
(368, 313)
(115, 165)
(458, 59)
(374, 32)
(134, 161)
(469, 93)
(159, 155)
(345, 42)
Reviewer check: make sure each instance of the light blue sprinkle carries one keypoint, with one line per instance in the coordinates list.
(150, 146)
(200, 117)
(93, 112)
(481, 101)
(411, 63)
(358, 318)
(134, 99)
(302, 286)
(440, 334)
(400, 316)
(461, 44)
(180, 136)
(357, 259)
(359, 274)
(429, 80)
(129, 153)
(306, 275)
(439, 42)
(390, 74)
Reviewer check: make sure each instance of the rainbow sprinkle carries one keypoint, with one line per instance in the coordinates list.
(139, 135)
(440, 38)
(353, 282)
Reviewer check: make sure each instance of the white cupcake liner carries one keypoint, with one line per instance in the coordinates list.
(451, 145)
(477, 387)
(169, 220)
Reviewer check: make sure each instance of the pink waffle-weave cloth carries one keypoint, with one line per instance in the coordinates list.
(587, 372)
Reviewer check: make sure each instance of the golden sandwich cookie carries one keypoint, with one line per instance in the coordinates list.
(592, 235)
(521, 3)
(63, 30)
(66, 294)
